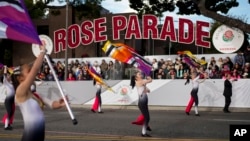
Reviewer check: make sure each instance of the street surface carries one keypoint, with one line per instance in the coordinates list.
(115, 125)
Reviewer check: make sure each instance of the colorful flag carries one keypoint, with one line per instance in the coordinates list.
(190, 59)
(15, 23)
(97, 77)
(1, 65)
(126, 54)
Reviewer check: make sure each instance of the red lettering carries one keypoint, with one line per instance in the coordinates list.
(200, 34)
(87, 33)
(74, 36)
(168, 30)
(150, 26)
(118, 23)
(99, 29)
(59, 40)
(133, 28)
(186, 37)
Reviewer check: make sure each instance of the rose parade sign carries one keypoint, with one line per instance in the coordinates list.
(133, 27)
(227, 39)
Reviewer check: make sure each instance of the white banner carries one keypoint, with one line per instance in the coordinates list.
(163, 93)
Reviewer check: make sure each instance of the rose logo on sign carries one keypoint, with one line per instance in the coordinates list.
(228, 36)
(227, 39)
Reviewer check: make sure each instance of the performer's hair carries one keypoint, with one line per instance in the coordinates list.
(132, 81)
(16, 73)
(1, 79)
(94, 82)
(188, 80)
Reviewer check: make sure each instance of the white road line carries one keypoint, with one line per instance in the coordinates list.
(234, 120)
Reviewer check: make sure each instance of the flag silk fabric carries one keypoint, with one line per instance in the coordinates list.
(15, 23)
(190, 59)
(97, 77)
(126, 54)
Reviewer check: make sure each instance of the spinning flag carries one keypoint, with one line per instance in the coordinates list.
(97, 78)
(190, 59)
(126, 54)
(15, 22)
(1, 65)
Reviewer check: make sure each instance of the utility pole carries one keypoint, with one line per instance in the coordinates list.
(66, 48)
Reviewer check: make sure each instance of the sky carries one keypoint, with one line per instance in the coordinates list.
(123, 7)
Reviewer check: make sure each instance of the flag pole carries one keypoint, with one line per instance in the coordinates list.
(66, 40)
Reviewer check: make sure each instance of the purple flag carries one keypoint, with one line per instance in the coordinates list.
(142, 64)
(15, 22)
(1, 65)
(93, 71)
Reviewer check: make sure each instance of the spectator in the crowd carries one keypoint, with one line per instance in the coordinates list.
(225, 70)
(71, 77)
(160, 63)
(164, 68)
(85, 74)
(46, 71)
(238, 68)
(220, 63)
(118, 70)
(214, 74)
(49, 77)
(245, 75)
(79, 76)
(160, 74)
(235, 75)
(60, 74)
(229, 62)
(180, 72)
(247, 54)
(154, 67)
(96, 67)
(204, 65)
(171, 74)
(78, 70)
(111, 71)
(186, 75)
(104, 68)
(239, 59)
(202, 71)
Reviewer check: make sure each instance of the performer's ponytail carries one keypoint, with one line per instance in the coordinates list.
(16, 73)
(132, 81)
(188, 80)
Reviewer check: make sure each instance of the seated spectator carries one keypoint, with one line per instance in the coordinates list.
(180, 72)
(171, 74)
(85, 74)
(71, 77)
(235, 75)
(239, 59)
(245, 75)
(160, 74)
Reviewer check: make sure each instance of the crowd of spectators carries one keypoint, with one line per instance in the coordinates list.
(238, 66)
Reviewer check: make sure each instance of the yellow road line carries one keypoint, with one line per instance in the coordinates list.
(105, 138)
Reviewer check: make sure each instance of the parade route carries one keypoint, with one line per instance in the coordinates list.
(115, 125)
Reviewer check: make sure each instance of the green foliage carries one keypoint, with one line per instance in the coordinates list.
(35, 10)
(185, 7)
(89, 8)
(155, 7)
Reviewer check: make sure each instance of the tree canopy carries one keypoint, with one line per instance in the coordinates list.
(214, 9)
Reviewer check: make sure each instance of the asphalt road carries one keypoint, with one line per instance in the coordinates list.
(115, 125)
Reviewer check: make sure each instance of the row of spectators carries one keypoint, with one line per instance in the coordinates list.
(238, 66)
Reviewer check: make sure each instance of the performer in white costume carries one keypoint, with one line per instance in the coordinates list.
(9, 101)
(33, 117)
